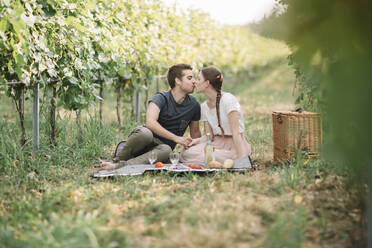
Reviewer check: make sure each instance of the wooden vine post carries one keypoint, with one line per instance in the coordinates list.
(53, 115)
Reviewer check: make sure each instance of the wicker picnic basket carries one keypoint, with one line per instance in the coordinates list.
(296, 130)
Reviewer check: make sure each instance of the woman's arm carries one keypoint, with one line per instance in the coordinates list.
(208, 129)
(195, 129)
(237, 137)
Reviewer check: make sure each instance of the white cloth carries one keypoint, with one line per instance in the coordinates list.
(228, 103)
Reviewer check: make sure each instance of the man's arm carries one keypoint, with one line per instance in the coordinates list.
(195, 129)
(152, 116)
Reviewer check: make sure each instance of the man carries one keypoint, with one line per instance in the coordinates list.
(168, 115)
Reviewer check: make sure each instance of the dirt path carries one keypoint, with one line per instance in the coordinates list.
(273, 90)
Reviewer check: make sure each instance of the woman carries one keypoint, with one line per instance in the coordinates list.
(222, 118)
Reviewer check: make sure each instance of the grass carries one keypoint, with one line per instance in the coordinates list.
(49, 199)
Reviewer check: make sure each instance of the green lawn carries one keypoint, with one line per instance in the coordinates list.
(49, 199)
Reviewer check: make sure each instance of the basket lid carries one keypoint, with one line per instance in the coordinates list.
(283, 112)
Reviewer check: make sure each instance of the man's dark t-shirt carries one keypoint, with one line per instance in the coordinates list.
(173, 116)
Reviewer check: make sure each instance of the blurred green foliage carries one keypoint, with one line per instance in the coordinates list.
(75, 47)
(331, 51)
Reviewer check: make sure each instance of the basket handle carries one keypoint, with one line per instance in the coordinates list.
(300, 110)
(279, 118)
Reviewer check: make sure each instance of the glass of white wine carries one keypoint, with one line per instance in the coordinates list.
(174, 157)
(153, 157)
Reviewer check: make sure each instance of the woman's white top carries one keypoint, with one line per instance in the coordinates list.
(228, 103)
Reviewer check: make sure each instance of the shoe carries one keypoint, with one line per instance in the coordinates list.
(119, 147)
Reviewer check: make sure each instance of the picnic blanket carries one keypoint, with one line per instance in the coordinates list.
(139, 169)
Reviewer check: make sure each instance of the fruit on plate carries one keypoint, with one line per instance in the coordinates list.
(159, 165)
(228, 164)
(195, 166)
(214, 164)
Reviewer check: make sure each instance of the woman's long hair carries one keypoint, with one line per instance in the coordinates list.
(215, 77)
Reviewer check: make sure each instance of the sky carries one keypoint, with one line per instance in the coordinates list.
(234, 12)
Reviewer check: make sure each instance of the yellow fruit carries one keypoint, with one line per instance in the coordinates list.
(228, 164)
(214, 164)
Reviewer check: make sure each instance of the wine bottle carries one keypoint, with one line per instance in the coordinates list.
(208, 151)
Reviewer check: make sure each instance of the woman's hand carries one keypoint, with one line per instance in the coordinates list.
(242, 154)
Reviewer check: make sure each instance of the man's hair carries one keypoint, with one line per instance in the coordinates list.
(175, 71)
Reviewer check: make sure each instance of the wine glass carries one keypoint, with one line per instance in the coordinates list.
(153, 157)
(174, 157)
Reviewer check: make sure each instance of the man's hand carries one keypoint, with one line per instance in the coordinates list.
(185, 141)
(194, 142)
